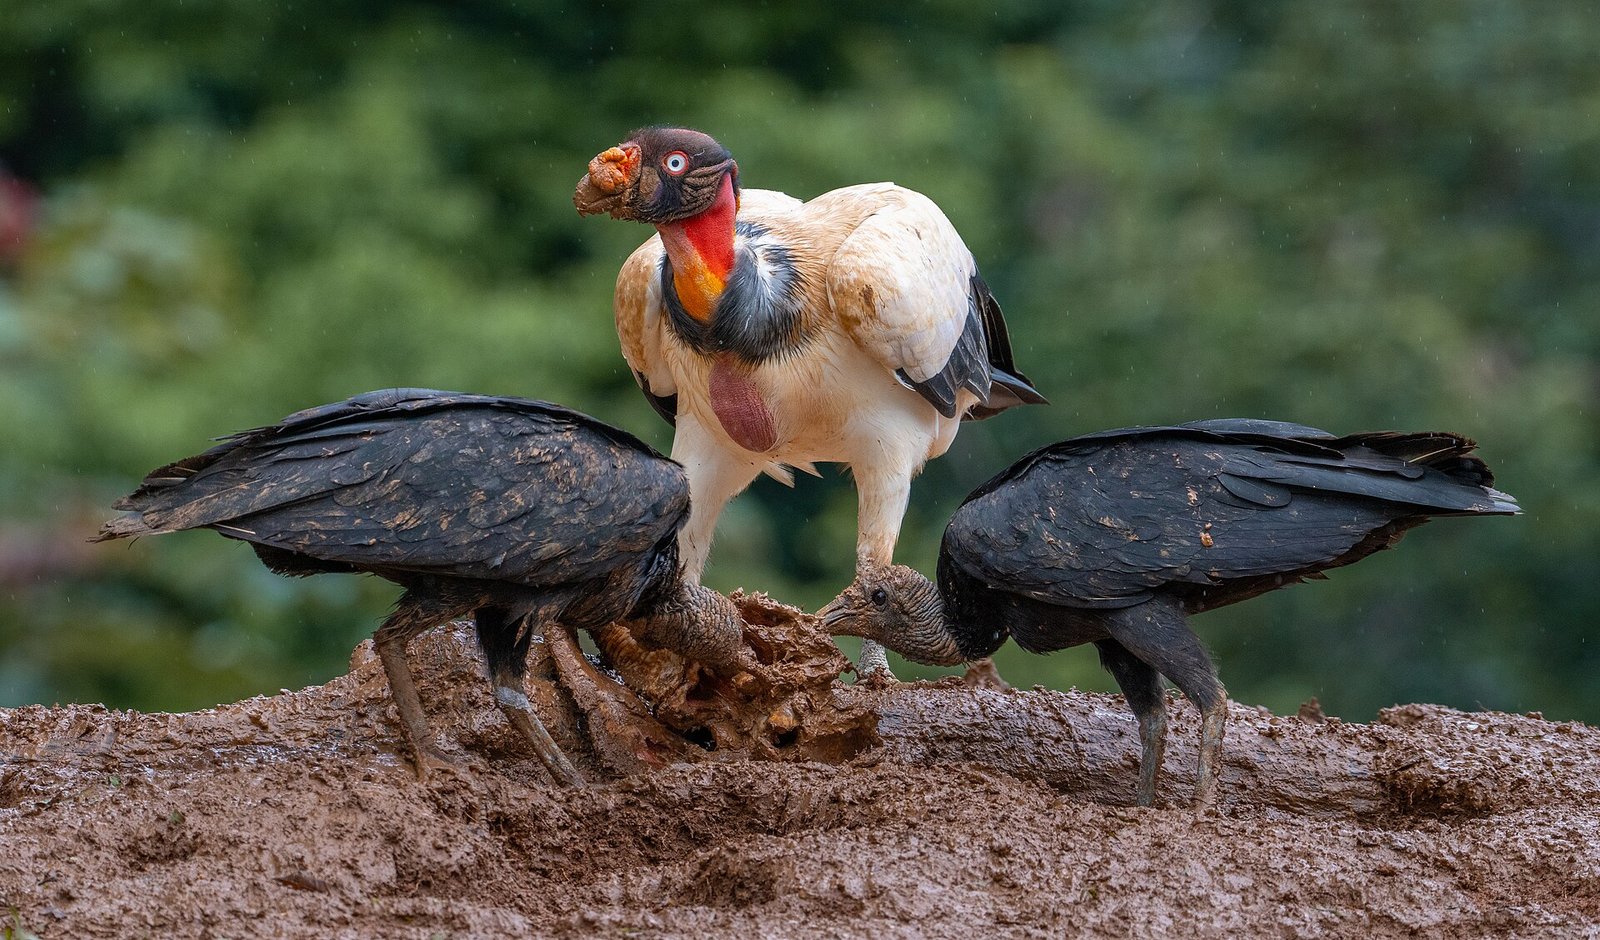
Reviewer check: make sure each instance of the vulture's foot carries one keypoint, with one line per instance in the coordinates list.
(429, 762)
(506, 675)
(982, 674)
(425, 756)
(781, 706)
(1153, 745)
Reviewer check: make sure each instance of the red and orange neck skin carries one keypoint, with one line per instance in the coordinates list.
(701, 249)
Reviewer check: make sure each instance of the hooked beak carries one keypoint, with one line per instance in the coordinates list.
(839, 617)
(610, 182)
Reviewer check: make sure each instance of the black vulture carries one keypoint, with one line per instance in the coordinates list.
(521, 514)
(1113, 538)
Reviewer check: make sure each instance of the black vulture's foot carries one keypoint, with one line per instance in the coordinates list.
(1150, 639)
(1141, 683)
(498, 633)
(982, 674)
(1212, 726)
(518, 710)
(872, 666)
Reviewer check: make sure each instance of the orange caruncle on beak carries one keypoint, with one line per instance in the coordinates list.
(611, 169)
(605, 187)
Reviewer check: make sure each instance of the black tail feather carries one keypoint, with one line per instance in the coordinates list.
(1008, 387)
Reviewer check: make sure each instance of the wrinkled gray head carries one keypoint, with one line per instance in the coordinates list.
(897, 607)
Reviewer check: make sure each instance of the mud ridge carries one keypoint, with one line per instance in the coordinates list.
(945, 810)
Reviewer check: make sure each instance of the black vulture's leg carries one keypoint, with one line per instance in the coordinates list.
(1157, 633)
(505, 647)
(1142, 686)
(412, 615)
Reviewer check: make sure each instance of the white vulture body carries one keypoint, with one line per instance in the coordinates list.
(852, 328)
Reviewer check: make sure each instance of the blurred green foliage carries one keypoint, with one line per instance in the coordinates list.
(1356, 215)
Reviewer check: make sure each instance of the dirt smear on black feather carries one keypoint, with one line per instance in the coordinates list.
(927, 810)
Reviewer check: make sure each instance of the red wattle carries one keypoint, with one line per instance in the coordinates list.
(711, 232)
(739, 408)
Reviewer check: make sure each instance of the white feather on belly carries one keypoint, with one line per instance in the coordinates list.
(829, 403)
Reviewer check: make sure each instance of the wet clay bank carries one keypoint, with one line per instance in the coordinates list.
(946, 810)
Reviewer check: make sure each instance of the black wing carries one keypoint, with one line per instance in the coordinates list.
(1008, 387)
(439, 482)
(981, 362)
(1107, 519)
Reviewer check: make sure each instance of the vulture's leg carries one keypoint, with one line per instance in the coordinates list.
(883, 492)
(412, 615)
(1156, 632)
(872, 665)
(714, 478)
(505, 643)
(1142, 687)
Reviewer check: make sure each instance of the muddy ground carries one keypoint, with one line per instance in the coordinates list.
(966, 813)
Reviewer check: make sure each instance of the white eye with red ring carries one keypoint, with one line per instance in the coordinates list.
(675, 162)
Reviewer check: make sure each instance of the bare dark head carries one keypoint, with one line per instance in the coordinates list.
(657, 175)
(899, 608)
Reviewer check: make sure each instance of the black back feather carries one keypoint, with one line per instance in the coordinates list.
(426, 482)
(1216, 511)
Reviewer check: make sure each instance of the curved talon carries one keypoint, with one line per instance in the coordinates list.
(752, 678)
(625, 737)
